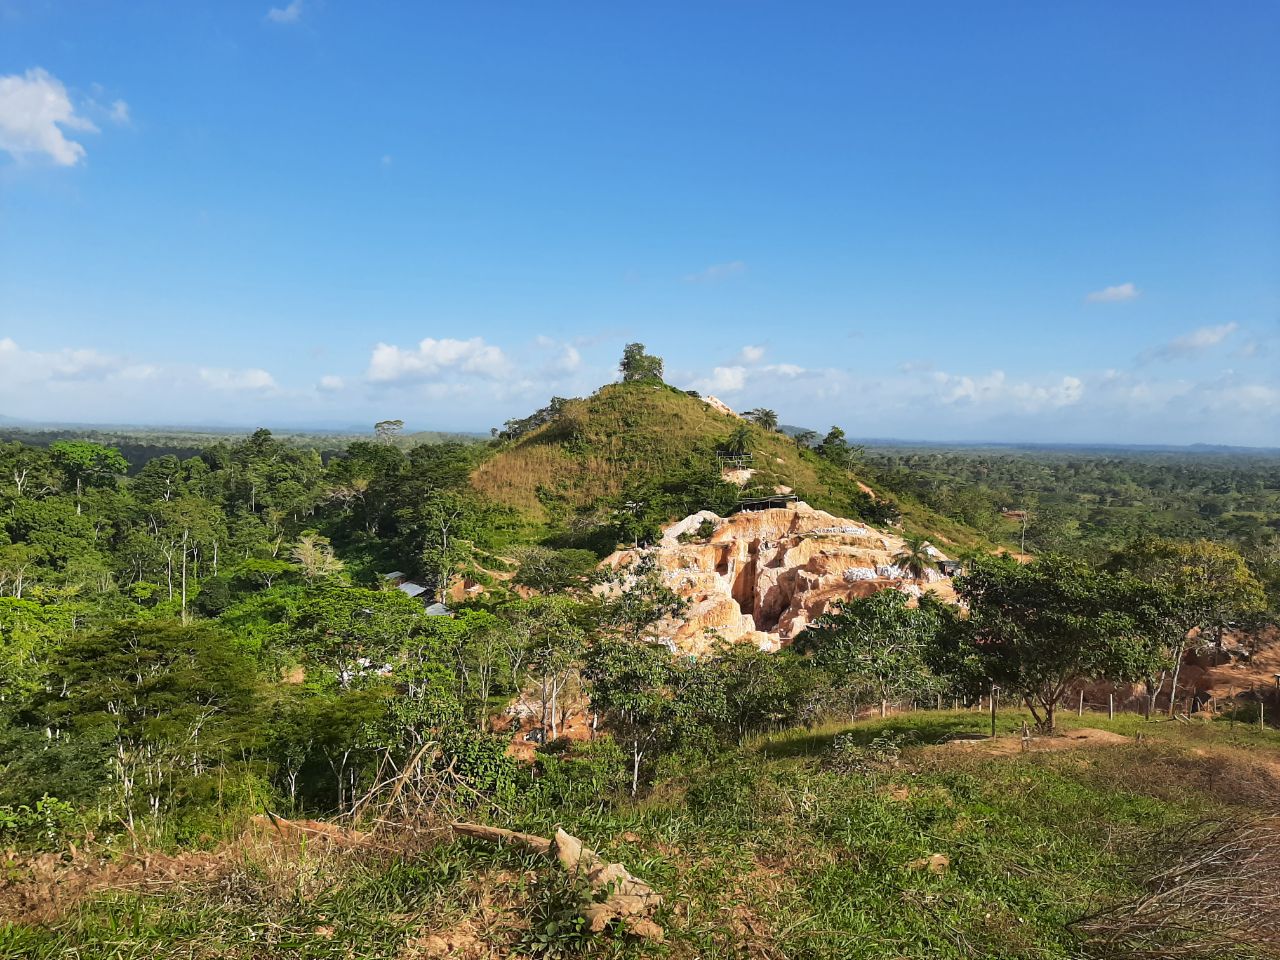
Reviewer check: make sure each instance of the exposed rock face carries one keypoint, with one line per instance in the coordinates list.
(717, 404)
(763, 576)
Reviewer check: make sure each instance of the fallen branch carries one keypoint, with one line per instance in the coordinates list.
(627, 899)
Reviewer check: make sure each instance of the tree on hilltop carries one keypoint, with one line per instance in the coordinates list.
(638, 366)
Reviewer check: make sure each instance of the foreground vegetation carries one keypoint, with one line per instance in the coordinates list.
(800, 844)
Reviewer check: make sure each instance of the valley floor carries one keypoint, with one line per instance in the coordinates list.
(871, 840)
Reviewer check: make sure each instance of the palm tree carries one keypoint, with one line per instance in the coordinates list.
(763, 417)
(915, 557)
(738, 443)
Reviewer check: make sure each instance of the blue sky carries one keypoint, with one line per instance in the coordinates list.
(995, 221)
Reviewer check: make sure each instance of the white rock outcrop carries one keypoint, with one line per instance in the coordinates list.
(763, 576)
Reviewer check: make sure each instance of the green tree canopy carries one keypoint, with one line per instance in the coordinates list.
(878, 647)
(639, 367)
(1035, 629)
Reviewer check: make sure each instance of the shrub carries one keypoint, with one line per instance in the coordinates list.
(46, 826)
(849, 755)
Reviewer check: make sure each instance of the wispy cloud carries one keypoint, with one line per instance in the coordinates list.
(718, 272)
(751, 354)
(1116, 294)
(1190, 344)
(287, 14)
(35, 113)
(251, 379)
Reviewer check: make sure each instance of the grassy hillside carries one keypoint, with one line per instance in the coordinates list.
(778, 850)
(599, 445)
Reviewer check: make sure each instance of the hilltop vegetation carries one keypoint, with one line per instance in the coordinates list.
(645, 442)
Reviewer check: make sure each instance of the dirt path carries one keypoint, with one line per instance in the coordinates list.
(1077, 739)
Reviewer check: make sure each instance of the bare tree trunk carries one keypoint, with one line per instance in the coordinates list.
(184, 576)
(1177, 668)
(635, 769)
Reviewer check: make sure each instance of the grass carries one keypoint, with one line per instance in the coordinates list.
(765, 852)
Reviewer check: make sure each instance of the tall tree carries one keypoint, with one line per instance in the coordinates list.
(639, 367)
(386, 431)
(636, 686)
(764, 418)
(87, 464)
(315, 558)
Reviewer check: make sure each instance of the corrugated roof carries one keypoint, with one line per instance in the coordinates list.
(412, 589)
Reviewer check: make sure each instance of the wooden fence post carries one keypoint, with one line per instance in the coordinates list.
(1111, 706)
(993, 711)
(1080, 709)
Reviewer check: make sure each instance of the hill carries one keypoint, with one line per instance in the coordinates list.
(578, 454)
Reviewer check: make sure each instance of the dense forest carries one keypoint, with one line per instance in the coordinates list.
(1088, 502)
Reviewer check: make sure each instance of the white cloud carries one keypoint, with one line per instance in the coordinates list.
(1190, 344)
(784, 370)
(249, 379)
(1116, 294)
(718, 272)
(28, 366)
(35, 112)
(570, 359)
(119, 112)
(995, 389)
(751, 354)
(331, 382)
(390, 363)
(289, 14)
(723, 380)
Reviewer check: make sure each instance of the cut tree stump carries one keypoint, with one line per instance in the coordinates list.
(627, 899)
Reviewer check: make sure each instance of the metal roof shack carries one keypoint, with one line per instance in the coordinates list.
(776, 502)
